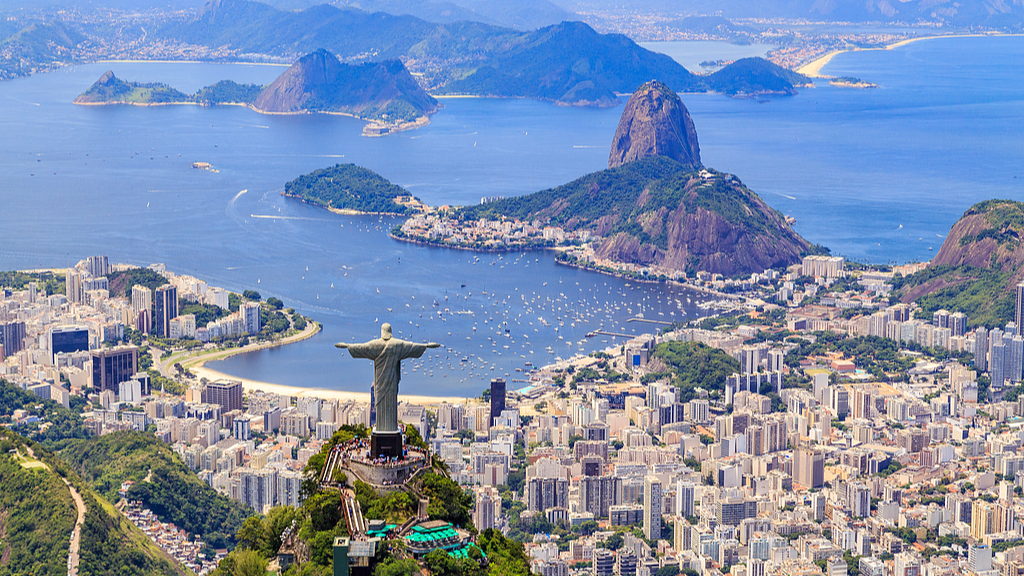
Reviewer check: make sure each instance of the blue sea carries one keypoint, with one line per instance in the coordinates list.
(876, 175)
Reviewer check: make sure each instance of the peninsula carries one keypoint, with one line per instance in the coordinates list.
(655, 209)
(382, 93)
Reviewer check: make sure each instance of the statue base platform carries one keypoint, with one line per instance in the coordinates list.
(386, 445)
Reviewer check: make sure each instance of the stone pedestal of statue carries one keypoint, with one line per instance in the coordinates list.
(386, 445)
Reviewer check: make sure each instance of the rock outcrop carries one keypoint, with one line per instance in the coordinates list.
(655, 122)
(319, 82)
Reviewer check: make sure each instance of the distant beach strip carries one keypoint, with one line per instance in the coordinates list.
(813, 68)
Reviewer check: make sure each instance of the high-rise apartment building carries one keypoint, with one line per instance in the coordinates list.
(652, 508)
(73, 286)
(497, 399)
(808, 467)
(165, 308)
(12, 338)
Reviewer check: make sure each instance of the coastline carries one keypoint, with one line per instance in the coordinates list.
(813, 68)
(302, 391)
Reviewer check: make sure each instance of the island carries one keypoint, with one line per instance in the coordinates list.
(383, 93)
(851, 82)
(351, 189)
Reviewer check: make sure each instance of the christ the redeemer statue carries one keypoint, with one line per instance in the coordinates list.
(387, 354)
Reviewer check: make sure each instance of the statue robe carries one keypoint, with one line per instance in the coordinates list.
(387, 356)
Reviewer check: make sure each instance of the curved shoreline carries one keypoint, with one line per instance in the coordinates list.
(813, 68)
(199, 359)
(471, 248)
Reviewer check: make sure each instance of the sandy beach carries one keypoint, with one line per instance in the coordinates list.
(813, 68)
(251, 385)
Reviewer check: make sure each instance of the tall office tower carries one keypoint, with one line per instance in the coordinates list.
(32, 292)
(12, 337)
(809, 467)
(981, 349)
(1019, 318)
(776, 360)
(111, 366)
(652, 508)
(226, 393)
(142, 299)
(165, 309)
(73, 286)
(497, 399)
(861, 403)
(685, 498)
(97, 266)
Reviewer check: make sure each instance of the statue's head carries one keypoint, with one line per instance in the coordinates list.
(385, 331)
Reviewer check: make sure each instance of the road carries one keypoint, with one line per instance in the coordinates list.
(76, 538)
(76, 535)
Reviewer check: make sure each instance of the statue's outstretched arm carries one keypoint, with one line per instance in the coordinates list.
(341, 345)
(433, 345)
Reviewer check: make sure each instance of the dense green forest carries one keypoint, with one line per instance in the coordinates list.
(695, 365)
(121, 283)
(228, 92)
(980, 293)
(175, 493)
(46, 281)
(63, 423)
(349, 187)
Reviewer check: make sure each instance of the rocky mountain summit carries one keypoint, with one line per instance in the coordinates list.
(319, 82)
(655, 122)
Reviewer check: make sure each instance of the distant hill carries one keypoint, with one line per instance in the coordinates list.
(25, 45)
(38, 513)
(318, 82)
(755, 76)
(351, 187)
(568, 63)
(978, 267)
(517, 14)
(955, 13)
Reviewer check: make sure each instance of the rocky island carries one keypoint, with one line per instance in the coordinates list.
(383, 93)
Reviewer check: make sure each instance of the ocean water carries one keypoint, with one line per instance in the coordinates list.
(691, 54)
(853, 166)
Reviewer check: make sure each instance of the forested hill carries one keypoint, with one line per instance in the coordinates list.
(173, 492)
(351, 187)
(656, 211)
(38, 512)
(978, 267)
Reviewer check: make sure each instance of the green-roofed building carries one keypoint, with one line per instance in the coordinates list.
(426, 537)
